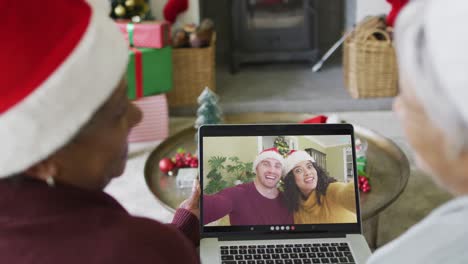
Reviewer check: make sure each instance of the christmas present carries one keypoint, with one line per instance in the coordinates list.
(153, 34)
(149, 72)
(155, 122)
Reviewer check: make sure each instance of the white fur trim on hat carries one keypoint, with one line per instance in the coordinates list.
(267, 154)
(53, 114)
(294, 158)
(430, 38)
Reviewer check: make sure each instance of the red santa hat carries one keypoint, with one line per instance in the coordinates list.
(58, 67)
(271, 153)
(294, 157)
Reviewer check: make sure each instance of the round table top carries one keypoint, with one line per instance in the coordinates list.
(387, 165)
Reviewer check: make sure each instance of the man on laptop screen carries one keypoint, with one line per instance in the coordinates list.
(258, 202)
(307, 194)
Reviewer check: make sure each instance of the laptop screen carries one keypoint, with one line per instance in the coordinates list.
(278, 179)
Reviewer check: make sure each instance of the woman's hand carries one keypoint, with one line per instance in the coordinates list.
(193, 202)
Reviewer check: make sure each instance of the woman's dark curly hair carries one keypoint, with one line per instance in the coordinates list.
(293, 195)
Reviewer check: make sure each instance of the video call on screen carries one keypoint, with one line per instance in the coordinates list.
(319, 190)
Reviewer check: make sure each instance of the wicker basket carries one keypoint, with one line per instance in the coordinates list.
(194, 69)
(369, 63)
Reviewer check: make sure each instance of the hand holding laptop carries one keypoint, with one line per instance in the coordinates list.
(192, 203)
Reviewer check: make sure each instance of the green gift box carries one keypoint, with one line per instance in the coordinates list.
(149, 72)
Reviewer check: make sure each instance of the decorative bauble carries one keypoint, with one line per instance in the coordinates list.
(130, 4)
(119, 11)
(194, 163)
(136, 19)
(166, 165)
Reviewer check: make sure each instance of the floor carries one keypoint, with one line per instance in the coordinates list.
(286, 88)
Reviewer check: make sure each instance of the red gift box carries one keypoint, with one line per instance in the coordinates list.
(155, 122)
(153, 34)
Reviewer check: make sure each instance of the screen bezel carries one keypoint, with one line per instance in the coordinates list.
(276, 130)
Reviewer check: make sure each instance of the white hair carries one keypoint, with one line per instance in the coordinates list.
(431, 40)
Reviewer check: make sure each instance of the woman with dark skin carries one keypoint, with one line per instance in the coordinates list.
(64, 122)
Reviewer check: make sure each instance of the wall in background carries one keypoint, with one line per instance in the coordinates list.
(371, 7)
(245, 148)
(335, 162)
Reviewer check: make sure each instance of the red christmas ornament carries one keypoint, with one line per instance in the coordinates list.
(166, 165)
(194, 163)
(363, 184)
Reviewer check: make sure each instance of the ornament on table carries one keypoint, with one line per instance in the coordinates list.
(182, 159)
(208, 111)
(166, 165)
(363, 183)
(135, 10)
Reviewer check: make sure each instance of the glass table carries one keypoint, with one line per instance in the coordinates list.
(387, 166)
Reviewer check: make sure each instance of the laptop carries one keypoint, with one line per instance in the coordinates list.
(266, 215)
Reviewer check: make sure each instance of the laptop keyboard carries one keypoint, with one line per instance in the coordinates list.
(287, 254)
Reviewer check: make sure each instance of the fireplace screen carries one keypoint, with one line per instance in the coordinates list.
(275, 14)
(273, 30)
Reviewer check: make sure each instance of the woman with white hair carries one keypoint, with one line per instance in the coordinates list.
(431, 39)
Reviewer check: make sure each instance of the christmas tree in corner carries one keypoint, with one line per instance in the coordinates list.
(208, 111)
(282, 146)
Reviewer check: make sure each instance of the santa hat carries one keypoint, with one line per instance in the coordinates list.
(430, 39)
(271, 153)
(59, 66)
(294, 157)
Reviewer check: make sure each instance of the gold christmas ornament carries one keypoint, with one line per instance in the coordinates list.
(130, 3)
(119, 11)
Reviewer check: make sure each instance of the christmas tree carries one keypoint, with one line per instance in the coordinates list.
(208, 111)
(136, 10)
(282, 146)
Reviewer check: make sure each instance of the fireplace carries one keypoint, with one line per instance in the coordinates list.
(273, 30)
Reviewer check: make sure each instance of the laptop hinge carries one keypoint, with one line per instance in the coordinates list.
(281, 236)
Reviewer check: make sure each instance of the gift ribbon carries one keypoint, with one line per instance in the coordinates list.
(130, 29)
(138, 72)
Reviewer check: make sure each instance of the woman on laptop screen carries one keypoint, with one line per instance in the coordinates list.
(313, 196)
